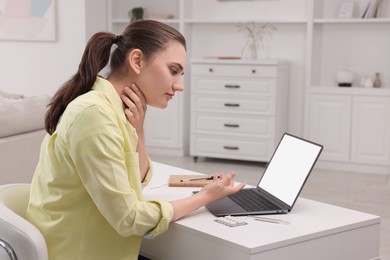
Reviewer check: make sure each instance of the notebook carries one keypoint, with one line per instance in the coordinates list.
(279, 186)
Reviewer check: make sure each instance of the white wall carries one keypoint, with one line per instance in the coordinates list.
(34, 68)
(96, 13)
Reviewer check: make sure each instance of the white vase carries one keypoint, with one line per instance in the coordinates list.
(253, 50)
(362, 81)
(368, 83)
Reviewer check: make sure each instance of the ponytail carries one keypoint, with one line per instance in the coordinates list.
(95, 58)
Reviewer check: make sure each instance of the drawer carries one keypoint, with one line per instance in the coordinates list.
(213, 146)
(266, 87)
(234, 70)
(218, 124)
(260, 105)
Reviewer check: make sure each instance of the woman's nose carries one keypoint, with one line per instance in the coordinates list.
(178, 86)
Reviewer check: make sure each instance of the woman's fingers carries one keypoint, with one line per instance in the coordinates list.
(131, 108)
(217, 176)
(136, 98)
(141, 102)
(135, 101)
(126, 99)
(238, 187)
(227, 180)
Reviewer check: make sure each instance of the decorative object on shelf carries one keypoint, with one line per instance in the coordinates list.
(136, 14)
(344, 78)
(346, 10)
(223, 57)
(161, 16)
(368, 83)
(377, 80)
(256, 36)
(362, 81)
(372, 9)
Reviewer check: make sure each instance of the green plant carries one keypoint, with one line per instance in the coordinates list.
(256, 34)
(136, 14)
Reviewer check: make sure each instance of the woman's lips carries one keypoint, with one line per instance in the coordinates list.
(170, 95)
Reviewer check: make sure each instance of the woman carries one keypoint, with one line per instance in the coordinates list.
(86, 193)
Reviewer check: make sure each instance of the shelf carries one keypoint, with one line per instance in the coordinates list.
(351, 21)
(230, 21)
(126, 21)
(237, 61)
(349, 90)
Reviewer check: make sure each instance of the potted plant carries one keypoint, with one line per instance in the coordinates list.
(136, 14)
(256, 34)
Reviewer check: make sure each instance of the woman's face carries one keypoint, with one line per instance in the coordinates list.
(162, 75)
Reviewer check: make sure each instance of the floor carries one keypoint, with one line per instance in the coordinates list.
(368, 193)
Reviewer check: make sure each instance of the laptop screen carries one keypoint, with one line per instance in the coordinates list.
(289, 168)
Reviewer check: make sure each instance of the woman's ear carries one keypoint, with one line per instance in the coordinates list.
(135, 58)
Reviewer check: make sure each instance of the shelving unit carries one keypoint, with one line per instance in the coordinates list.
(310, 36)
(334, 116)
(118, 12)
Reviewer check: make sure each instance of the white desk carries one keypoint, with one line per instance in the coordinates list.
(316, 231)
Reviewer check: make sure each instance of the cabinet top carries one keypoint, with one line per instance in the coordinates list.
(223, 60)
(383, 92)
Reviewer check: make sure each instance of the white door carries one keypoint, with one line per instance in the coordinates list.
(329, 124)
(371, 130)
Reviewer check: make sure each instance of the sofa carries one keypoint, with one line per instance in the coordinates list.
(21, 134)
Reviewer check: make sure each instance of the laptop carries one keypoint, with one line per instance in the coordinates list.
(279, 186)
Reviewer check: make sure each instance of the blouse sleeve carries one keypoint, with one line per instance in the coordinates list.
(109, 170)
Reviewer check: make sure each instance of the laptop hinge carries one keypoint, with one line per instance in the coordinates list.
(273, 199)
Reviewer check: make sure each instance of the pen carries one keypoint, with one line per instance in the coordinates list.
(271, 220)
(199, 179)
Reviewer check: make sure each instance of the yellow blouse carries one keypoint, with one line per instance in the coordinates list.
(86, 193)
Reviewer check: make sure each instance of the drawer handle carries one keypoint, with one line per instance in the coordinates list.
(231, 105)
(253, 71)
(230, 147)
(210, 69)
(231, 125)
(232, 86)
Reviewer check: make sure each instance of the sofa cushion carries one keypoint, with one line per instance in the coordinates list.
(23, 114)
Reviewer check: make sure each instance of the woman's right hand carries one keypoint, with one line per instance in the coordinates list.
(135, 101)
(221, 186)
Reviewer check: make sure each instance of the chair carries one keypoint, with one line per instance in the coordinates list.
(19, 239)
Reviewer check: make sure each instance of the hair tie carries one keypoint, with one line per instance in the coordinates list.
(117, 39)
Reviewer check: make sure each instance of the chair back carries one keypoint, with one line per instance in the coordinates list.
(19, 239)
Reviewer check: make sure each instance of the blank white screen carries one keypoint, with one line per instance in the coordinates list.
(289, 168)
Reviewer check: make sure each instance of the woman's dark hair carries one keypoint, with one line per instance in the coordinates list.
(148, 36)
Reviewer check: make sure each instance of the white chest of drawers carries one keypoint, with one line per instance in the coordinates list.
(238, 108)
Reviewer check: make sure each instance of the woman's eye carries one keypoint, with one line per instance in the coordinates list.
(173, 71)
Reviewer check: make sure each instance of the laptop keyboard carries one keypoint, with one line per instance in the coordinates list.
(250, 200)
